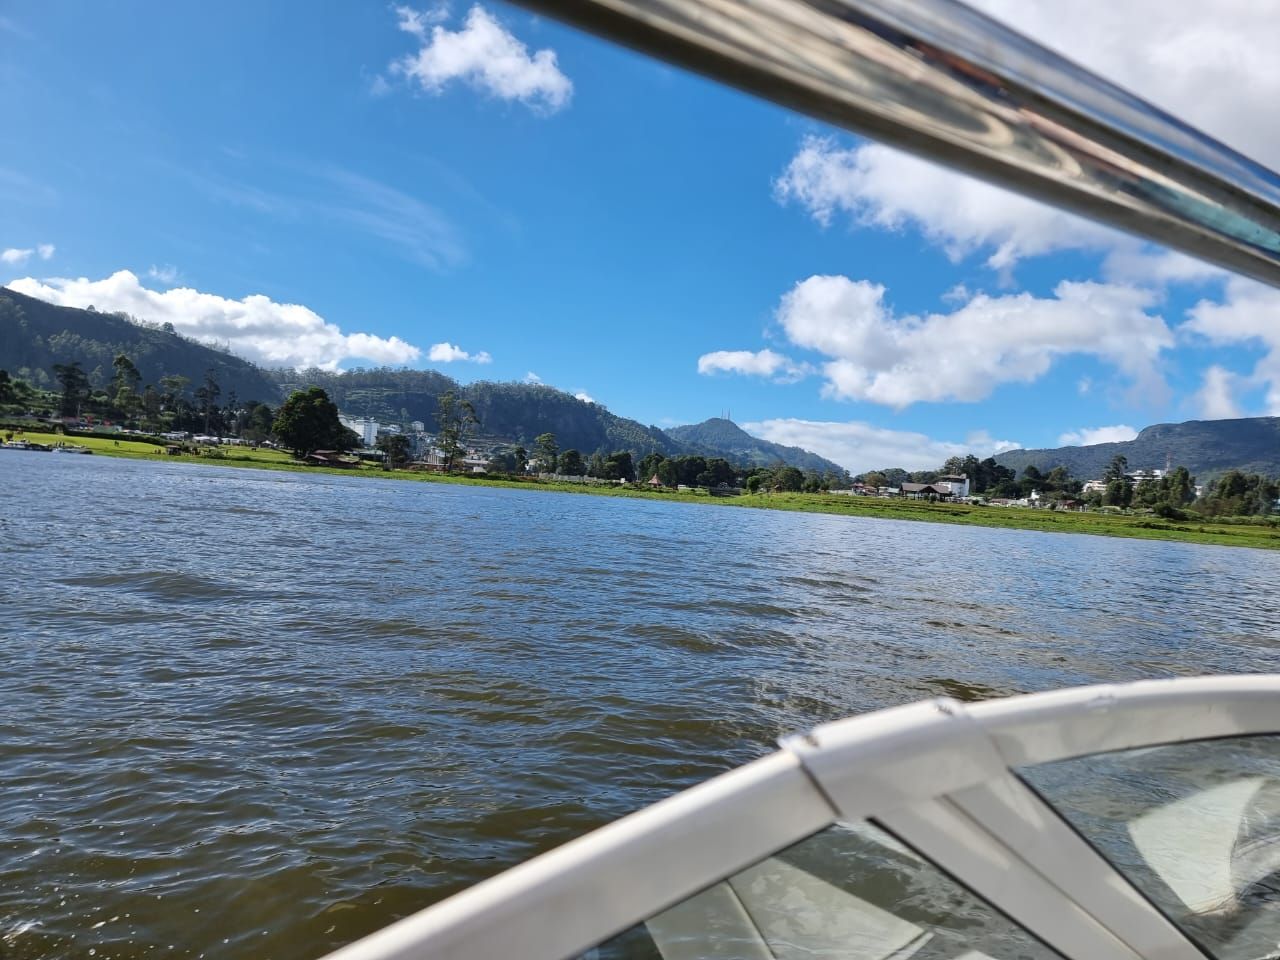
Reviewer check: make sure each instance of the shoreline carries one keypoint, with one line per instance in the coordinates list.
(1211, 532)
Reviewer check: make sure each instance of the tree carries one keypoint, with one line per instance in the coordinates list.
(255, 422)
(124, 386)
(208, 394)
(395, 450)
(1119, 493)
(455, 422)
(788, 478)
(6, 387)
(308, 421)
(522, 458)
(546, 452)
(1117, 469)
(570, 464)
(75, 388)
(173, 390)
(618, 466)
(668, 473)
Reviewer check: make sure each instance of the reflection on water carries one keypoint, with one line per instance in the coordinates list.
(257, 713)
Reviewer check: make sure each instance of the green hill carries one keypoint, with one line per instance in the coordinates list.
(724, 438)
(517, 412)
(1205, 447)
(34, 335)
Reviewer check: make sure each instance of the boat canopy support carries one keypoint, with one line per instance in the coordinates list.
(948, 83)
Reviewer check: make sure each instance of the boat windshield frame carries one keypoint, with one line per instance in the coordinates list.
(939, 775)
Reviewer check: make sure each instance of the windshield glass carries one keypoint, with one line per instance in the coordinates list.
(1195, 826)
(849, 892)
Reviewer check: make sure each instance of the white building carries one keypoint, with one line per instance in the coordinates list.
(957, 484)
(418, 426)
(365, 427)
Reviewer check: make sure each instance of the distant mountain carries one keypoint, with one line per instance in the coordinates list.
(1205, 447)
(724, 438)
(34, 335)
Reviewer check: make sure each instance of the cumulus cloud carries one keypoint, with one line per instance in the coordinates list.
(484, 55)
(256, 327)
(759, 363)
(1216, 398)
(16, 256)
(448, 353)
(879, 356)
(877, 186)
(584, 397)
(1088, 436)
(859, 446)
(167, 274)
(532, 377)
(1248, 314)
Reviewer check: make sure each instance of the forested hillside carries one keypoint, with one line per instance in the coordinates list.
(1205, 447)
(35, 335)
(518, 412)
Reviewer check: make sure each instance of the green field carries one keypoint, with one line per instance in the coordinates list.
(1241, 533)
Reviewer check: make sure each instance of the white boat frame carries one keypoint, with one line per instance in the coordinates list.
(938, 774)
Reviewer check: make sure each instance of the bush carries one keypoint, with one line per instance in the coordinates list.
(1168, 511)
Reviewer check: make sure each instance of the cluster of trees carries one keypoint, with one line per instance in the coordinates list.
(1237, 494)
(986, 478)
(1166, 495)
(672, 471)
(308, 421)
(1173, 495)
(168, 405)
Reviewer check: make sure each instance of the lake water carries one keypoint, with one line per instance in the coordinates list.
(246, 713)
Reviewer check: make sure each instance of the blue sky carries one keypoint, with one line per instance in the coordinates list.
(492, 194)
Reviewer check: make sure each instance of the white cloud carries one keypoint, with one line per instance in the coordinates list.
(1210, 64)
(1248, 314)
(532, 377)
(256, 328)
(1087, 436)
(1216, 398)
(16, 256)
(484, 55)
(859, 446)
(964, 355)
(448, 353)
(167, 274)
(760, 363)
(877, 186)
(584, 397)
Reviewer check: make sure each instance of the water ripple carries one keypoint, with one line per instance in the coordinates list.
(263, 714)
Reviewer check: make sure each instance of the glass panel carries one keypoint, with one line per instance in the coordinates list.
(1194, 826)
(846, 893)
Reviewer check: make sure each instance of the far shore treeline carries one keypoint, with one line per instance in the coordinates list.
(77, 370)
(308, 421)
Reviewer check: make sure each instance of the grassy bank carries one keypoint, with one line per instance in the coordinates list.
(1242, 533)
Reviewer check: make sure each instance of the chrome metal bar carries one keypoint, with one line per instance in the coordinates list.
(937, 78)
